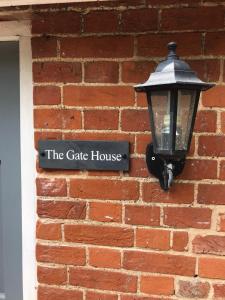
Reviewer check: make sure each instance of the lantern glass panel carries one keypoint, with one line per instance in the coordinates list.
(185, 110)
(160, 102)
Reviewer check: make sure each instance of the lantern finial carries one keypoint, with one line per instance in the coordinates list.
(172, 46)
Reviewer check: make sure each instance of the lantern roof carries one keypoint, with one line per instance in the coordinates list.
(173, 72)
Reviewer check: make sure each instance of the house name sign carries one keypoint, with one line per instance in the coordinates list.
(84, 155)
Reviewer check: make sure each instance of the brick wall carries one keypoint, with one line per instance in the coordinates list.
(116, 235)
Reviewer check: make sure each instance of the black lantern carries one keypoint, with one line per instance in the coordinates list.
(173, 92)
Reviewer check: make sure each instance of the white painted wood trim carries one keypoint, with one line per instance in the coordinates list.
(4, 3)
(20, 30)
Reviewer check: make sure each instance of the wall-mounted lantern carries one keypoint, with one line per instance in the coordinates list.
(173, 92)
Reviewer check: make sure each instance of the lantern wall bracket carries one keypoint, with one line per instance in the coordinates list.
(165, 169)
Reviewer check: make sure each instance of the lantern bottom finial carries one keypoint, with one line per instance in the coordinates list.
(165, 169)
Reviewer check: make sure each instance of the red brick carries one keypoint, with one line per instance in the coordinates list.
(104, 258)
(157, 285)
(61, 209)
(101, 47)
(94, 20)
(187, 217)
(134, 297)
(99, 235)
(211, 146)
(198, 169)
(99, 296)
(193, 289)
(46, 135)
(44, 47)
(192, 18)
(101, 119)
(211, 194)
(142, 140)
(56, 276)
(142, 100)
(180, 241)
(219, 291)
(105, 212)
(153, 239)
(65, 72)
(223, 122)
(99, 189)
(48, 293)
(206, 69)
(47, 95)
(178, 193)
(214, 43)
(142, 215)
(61, 255)
(159, 263)
(214, 97)
(137, 71)
(138, 168)
(167, 2)
(101, 72)
(212, 268)
(102, 280)
(48, 231)
(209, 244)
(56, 22)
(139, 20)
(135, 120)
(156, 44)
(98, 96)
(206, 121)
(222, 222)
(222, 170)
(51, 187)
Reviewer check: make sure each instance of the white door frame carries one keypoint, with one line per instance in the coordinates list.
(21, 31)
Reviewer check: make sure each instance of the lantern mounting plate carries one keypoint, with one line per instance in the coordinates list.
(163, 168)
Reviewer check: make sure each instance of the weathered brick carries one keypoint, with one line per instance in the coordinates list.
(214, 43)
(61, 209)
(51, 187)
(221, 222)
(104, 258)
(142, 215)
(99, 235)
(222, 170)
(180, 241)
(212, 268)
(47, 95)
(219, 291)
(211, 194)
(211, 146)
(60, 255)
(105, 212)
(198, 169)
(135, 120)
(94, 20)
(56, 276)
(192, 18)
(103, 280)
(159, 263)
(214, 97)
(100, 296)
(48, 231)
(56, 22)
(104, 189)
(193, 289)
(187, 217)
(48, 293)
(94, 46)
(46, 135)
(101, 72)
(101, 119)
(206, 69)
(138, 168)
(178, 193)
(98, 96)
(157, 285)
(209, 244)
(44, 47)
(206, 121)
(57, 72)
(153, 239)
(139, 20)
